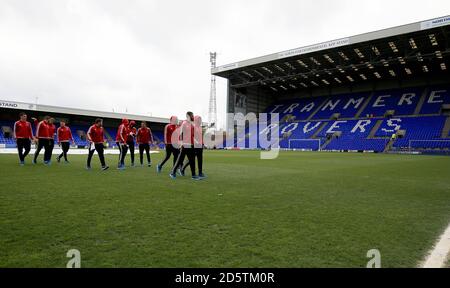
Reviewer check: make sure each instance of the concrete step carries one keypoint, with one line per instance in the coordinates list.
(363, 107)
(446, 129)
(421, 101)
(326, 143)
(314, 136)
(317, 110)
(375, 129)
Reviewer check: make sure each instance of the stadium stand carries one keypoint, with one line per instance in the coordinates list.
(400, 101)
(421, 131)
(301, 109)
(396, 73)
(345, 105)
(78, 133)
(79, 120)
(373, 130)
(436, 98)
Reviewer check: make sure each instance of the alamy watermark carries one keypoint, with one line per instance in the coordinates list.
(375, 258)
(250, 131)
(75, 258)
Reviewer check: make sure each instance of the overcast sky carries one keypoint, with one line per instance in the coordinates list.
(152, 57)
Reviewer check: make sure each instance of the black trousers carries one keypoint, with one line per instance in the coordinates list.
(198, 153)
(23, 146)
(49, 151)
(189, 152)
(131, 147)
(144, 147)
(123, 152)
(65, 146)
(42, 143)
(169, 151)
(99, 147)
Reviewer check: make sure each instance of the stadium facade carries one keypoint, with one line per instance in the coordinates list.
(78, 119)
(379, 91)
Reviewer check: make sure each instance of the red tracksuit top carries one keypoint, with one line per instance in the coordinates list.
(122, 133)
(51, 131)
(96, 134)
(168, 132)
(64, 134)
(23, 130)
(131, 134)
(187, 133)
(43, 130)
(144, 136)
(198, 137)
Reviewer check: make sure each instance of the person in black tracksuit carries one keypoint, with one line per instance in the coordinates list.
(198, 147)
(95, 136)
(42, 138)
(187, 147)
(171, 141)
(23, 133)
(64, 137)
(51, 140)
(144, 138)
(121, 141)
(130, 140)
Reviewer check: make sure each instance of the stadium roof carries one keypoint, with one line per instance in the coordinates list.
(420, 48)
(75, 111)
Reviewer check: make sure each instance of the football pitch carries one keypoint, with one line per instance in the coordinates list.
(300, 210)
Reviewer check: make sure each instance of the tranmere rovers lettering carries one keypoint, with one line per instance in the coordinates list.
(361, 126)
(379, 101)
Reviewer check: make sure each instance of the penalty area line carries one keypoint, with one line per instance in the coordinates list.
(438, 255)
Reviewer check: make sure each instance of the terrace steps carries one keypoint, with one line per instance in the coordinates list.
(375, 129)
(421, 101)
(446, 129)
(314, 136)
(317, 109)
(363, 107)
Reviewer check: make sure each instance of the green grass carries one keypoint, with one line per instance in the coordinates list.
(300, 210)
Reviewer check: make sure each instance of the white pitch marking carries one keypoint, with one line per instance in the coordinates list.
(436, 258)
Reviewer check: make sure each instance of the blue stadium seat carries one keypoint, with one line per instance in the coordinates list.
(402, 101)
(436, 97)
(417, 130)
(300, 108)
(346, 105)
(355, 132)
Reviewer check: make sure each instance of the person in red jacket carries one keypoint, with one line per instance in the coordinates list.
(95, 136)
(64, 136)
(121, 141)
(170, 134)
(187, 147)
(51, 139)
(42, 139)
(198, 147)
(23, 133)
(144, 138)
(130, 140)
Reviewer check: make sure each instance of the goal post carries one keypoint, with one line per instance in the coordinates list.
(428, 144)
(305, 144)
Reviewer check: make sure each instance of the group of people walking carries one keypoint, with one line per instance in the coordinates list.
(44, 139)
(183, 139)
